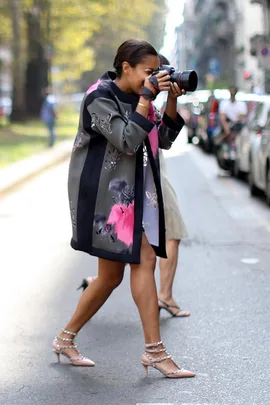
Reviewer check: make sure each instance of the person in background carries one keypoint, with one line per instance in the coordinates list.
(231, 111)
(115, 197)
(48, 115)
(212, 120)
(175, 232)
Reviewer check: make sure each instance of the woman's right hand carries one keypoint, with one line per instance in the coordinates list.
(162, 82)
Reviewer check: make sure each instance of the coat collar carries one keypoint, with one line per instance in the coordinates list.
(121, 95)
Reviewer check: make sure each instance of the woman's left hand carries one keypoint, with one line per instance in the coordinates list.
(175, 91)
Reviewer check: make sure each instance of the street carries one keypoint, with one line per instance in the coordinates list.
(223, 279)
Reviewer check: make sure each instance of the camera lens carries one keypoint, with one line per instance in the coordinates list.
(186, 80)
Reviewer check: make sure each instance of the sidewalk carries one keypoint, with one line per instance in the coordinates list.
(17, 173)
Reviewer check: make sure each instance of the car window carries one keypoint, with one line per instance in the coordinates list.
(267, 126)
(259, 116)
(255, 114)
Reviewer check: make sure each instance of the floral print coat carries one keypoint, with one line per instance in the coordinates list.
(108, 200)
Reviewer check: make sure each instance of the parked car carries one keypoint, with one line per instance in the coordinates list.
(195, 105)
(251, 133)
(225, 149)
(259, 163)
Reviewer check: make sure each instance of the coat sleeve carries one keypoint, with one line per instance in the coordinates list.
(126, 134)
(168, 130)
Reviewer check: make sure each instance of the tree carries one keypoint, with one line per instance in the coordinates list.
(18, 63)
(37, 17)
(75, 36)
(155, 30)
(121, 22)
(71, 32)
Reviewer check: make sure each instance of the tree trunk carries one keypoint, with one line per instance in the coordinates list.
(37, 66)
(18, 63)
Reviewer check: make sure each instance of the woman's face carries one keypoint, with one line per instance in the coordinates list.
(136, 76)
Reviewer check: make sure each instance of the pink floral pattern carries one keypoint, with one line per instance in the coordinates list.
(122, 217)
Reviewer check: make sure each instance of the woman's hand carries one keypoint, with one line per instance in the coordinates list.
(159, 82)
(175, 91)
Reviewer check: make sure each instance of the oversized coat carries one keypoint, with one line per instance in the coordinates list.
(106, 177)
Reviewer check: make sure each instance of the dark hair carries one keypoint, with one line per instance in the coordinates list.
(163, 60)
(132, 51)
(234, 88)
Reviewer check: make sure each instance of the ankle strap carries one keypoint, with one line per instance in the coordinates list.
(155, 350)
(67, 332)
(153, 344)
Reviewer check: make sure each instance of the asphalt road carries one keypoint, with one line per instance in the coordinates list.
(223, 279)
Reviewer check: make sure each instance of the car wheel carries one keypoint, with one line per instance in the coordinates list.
(267, 191)
(254, 191)
(237, 172)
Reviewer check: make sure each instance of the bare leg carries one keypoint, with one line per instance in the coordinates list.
(110, 275)
(168, 269)
(144, 293)
(143, 288)
(167, 273)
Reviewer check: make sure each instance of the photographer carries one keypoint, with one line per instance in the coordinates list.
(115, 194)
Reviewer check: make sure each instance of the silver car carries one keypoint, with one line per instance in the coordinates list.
(251, 134)
(259, 161)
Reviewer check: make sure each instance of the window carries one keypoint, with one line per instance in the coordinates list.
(267, 126)
(255, 114)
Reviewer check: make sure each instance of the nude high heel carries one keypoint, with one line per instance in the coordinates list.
(79, 360)
(148, 361)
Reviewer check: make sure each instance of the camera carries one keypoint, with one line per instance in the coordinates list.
(186, 80)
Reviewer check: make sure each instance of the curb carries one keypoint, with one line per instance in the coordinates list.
(19, 173)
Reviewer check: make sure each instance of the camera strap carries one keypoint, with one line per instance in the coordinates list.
(154, 81)
(147, 94)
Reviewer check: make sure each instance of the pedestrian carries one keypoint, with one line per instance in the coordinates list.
(175, 232)
(48, 114)
(115, 194)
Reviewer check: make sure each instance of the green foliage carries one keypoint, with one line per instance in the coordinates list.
(218, 84)
(156, 28)
(5, 26)
(83, 35)
(123, 21)
(17, 143)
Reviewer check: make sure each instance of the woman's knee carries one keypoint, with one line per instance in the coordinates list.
(111, 273)
(148, 255)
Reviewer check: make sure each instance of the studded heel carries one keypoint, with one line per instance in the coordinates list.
(59, 349)
(155, 362)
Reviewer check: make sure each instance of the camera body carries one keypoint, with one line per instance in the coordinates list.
(186, 80)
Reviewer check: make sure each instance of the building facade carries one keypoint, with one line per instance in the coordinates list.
(215, 40)
(260, 42)
(249, 21)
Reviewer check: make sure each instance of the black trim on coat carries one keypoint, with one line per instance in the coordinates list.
(87, 197)
(176, 125)
(143, 122)
(161, 249)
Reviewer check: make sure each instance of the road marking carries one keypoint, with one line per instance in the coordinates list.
(250, 260)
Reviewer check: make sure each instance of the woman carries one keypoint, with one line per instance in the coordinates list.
(115, 194)
(175, 232)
